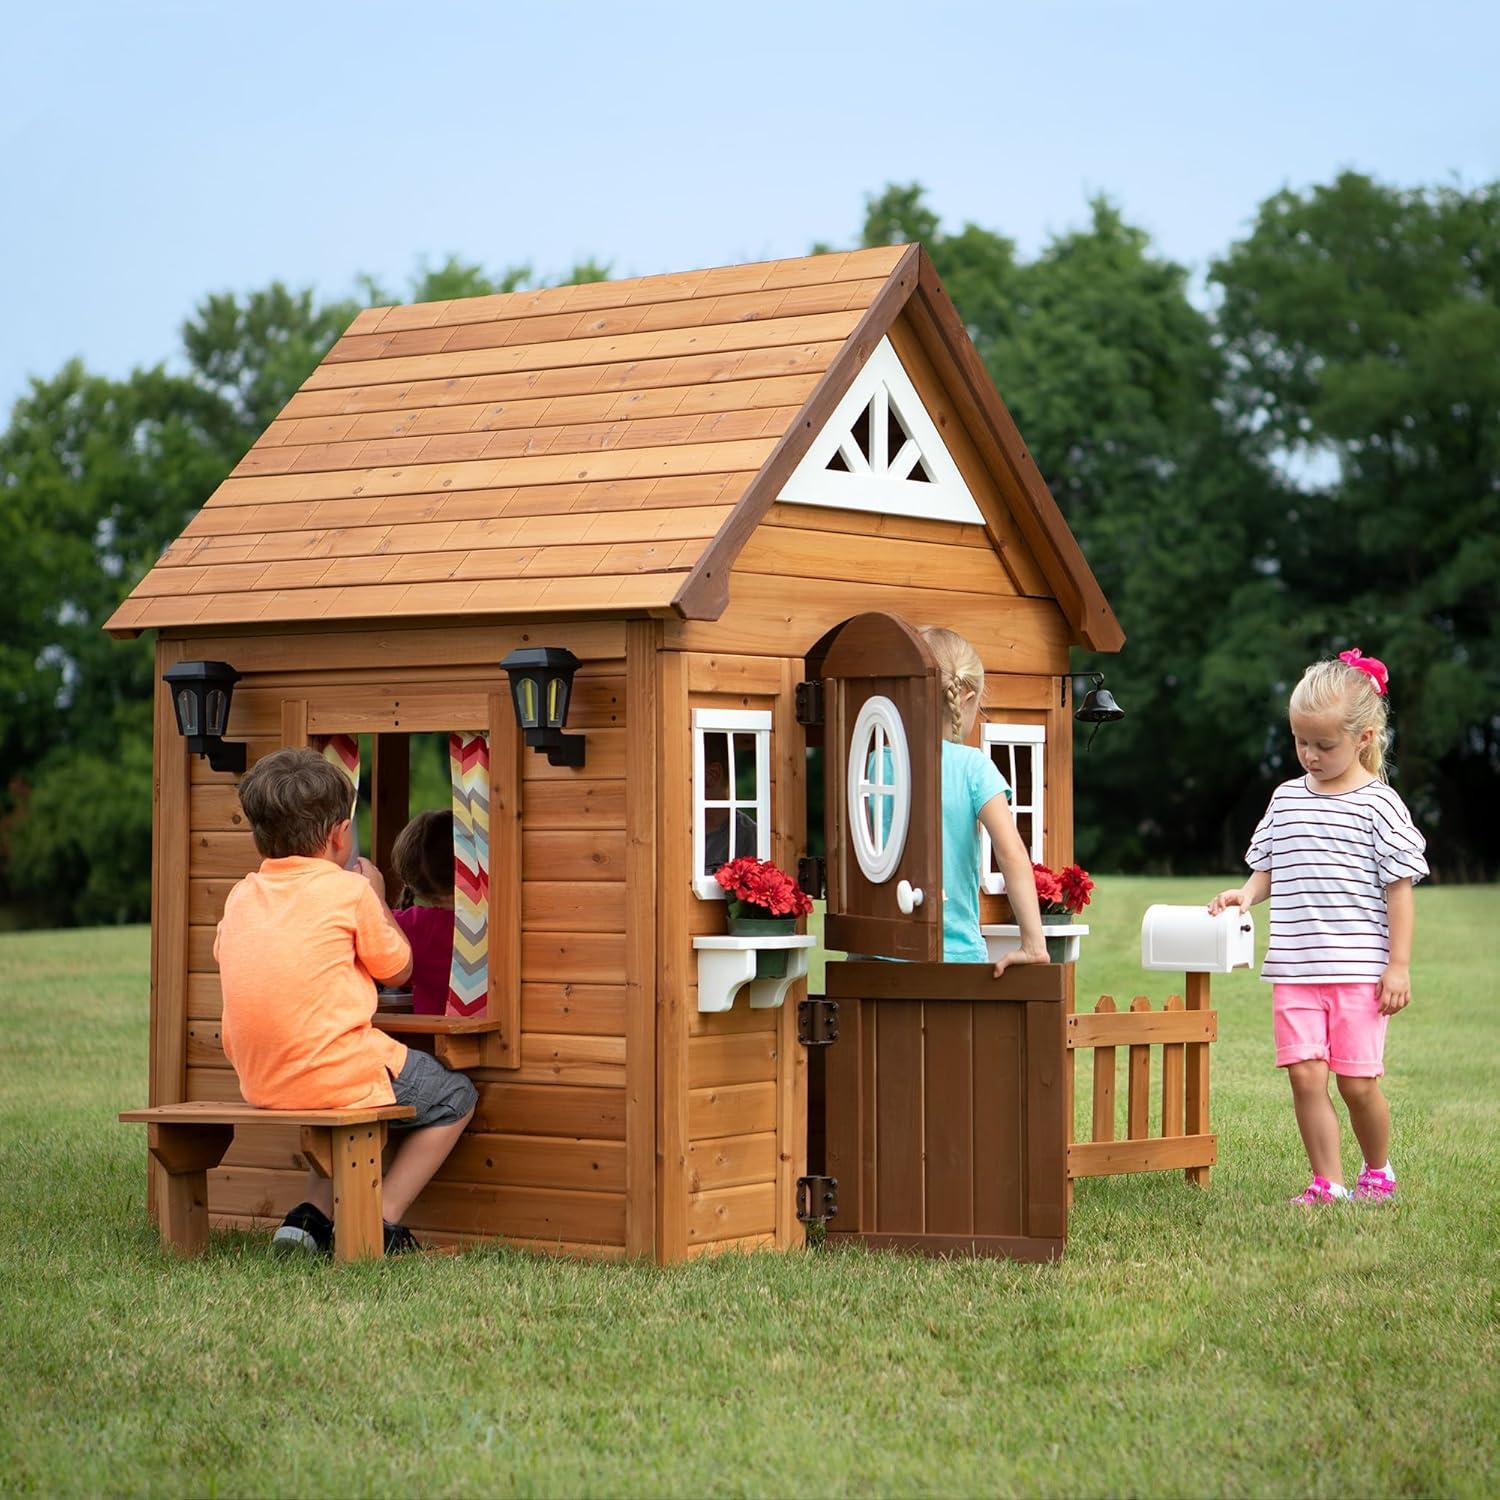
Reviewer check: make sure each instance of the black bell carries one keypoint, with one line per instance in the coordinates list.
(1099, 707)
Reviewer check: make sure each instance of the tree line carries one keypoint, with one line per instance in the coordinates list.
(1304, 459)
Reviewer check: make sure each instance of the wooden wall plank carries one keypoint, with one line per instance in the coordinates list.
(744, 1057)
(731, 1161)
(673, 955)
(786, 617)
(731, 1213)
(215, 808)
(391, 648)
(573, 906)
(789, 776)
(787, 552)
(568, 1058)
(167, 1065)
(511, 1108)
(570, 854)
(572, 957)
(731, 1109)
(869, 523)
(588, 1009)
(589, 805)
(723, 673)
(642, 665)
(536, 1161)
(221, 856)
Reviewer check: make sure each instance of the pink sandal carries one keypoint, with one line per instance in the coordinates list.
(1319, 1190)
(1375, 1186)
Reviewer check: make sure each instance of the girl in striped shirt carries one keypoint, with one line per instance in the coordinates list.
(1337, 853)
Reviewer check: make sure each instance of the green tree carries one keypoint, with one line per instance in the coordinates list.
(1362, 325)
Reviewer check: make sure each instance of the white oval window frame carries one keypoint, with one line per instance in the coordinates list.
(879, 865)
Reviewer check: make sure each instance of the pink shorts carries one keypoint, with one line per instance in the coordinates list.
(1340, 1024)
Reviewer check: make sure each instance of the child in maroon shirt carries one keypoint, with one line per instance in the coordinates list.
(423, 863)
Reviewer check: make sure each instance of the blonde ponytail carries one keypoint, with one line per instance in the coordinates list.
(961, 671)
(1327, 685)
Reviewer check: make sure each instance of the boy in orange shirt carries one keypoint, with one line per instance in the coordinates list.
(299, 949)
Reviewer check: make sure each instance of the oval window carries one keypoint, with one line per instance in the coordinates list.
(879, 777)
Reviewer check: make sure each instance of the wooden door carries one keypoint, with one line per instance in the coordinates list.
(945, 1101)
(883, 790)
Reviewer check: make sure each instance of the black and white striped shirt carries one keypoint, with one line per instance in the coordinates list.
(1331, 856)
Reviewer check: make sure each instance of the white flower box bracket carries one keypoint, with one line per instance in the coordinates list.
(727, 964)
(1005, 937)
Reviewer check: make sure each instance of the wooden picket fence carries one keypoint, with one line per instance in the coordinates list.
(1183, 1034)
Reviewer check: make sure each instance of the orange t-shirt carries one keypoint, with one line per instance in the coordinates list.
(298, 944)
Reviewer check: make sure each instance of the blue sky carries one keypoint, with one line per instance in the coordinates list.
(151, 152)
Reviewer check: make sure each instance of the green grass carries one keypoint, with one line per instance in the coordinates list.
(1190, 1343)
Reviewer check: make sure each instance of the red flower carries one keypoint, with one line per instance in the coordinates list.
(1048, 887)
(757, 882)
(1076, 887)
(1066, 891)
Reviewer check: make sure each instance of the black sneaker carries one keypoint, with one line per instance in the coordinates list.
(306, 1229)
(399, 1239)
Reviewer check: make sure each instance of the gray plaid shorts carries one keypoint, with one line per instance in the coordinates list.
(439, 1095)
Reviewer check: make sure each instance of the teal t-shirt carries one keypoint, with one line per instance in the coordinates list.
(970, 779)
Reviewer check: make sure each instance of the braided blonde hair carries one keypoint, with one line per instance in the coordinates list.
(961, 670)
(1335, 684)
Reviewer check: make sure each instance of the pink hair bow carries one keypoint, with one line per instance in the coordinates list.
(1371, 666)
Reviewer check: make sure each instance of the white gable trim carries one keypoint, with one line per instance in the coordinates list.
(880, 481)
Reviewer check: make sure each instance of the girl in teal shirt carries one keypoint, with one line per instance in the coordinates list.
(975, 793)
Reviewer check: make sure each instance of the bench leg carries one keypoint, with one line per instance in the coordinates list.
(358, 1231)
(185, 1154)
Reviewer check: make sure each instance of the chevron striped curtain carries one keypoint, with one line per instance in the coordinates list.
(468, 977)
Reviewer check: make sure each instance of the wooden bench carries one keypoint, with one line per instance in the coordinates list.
(186, 1140)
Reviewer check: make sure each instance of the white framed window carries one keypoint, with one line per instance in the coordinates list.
(731, 791)
(879, 779)
(1019, 754)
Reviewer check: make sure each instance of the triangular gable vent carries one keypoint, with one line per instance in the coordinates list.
(881, 452)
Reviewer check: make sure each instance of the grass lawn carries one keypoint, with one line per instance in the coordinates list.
(1190, 1343)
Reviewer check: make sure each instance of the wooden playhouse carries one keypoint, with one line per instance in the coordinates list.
(729, 494)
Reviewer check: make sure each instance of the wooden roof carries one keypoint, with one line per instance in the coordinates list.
(607, 447)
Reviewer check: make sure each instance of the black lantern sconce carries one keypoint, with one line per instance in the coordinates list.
(201, 691)
(541, 684)
(1098, 706)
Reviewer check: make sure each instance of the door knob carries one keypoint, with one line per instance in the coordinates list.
(908, 897)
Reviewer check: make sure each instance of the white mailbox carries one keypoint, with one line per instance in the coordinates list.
(1186, 939)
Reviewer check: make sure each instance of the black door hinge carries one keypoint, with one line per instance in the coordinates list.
(817, 1199)
(812, 876)
(817, 1021)
(810, 702)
